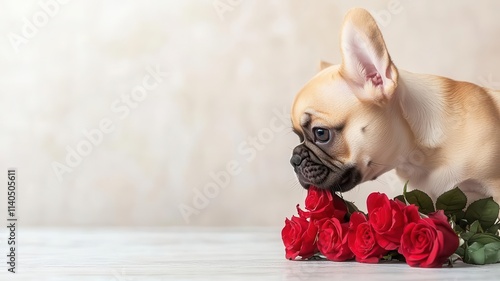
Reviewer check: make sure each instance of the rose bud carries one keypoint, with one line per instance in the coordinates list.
(332, 240)
(299, 238)
(362, 241)
(322, 204)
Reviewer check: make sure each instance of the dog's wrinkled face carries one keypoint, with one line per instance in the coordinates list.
(344, 141)
(344, 115)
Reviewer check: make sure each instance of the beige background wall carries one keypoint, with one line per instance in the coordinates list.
(232, 73)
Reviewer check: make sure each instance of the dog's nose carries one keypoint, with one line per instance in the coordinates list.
(295, 160)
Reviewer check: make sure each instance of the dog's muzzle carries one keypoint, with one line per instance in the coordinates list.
(311, 170)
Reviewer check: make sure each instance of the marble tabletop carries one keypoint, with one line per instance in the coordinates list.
(124, 254)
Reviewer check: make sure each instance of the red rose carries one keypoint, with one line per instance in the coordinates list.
(429, 242)
(411, 214)
(322, 204)
(332, 240)
(361, 240)
(299, 237)
(387, 220)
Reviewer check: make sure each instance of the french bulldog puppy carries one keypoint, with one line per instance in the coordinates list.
(364, 117)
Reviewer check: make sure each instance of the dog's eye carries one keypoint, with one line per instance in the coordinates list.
(321, 135)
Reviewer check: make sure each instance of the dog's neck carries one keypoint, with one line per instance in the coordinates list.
(422, 101)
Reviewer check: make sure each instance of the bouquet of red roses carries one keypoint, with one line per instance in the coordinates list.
(406, 228)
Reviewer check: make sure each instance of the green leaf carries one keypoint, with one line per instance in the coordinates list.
(475, 254)
(400, 198)
(483, 210)
(478, 253)
(467, 235)
(475, 227)
(483, 238)
(494, 229)
(420, 199)
(492, 253)
(459, 215)
(458, 229)
(452, 201)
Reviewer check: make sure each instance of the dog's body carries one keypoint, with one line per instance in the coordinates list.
(364, 117)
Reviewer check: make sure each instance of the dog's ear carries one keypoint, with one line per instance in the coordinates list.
(365, 60)
(323, 64)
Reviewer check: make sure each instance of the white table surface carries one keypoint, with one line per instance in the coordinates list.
(194, 254)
